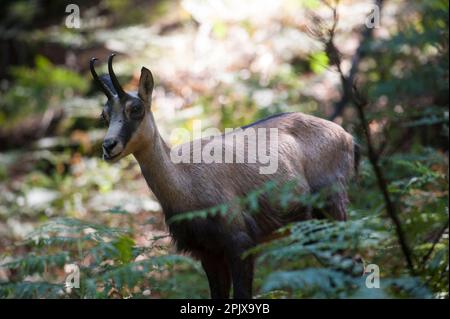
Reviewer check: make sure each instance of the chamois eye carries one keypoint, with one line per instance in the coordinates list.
(135, 110)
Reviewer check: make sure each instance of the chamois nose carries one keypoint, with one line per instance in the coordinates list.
(108, 145)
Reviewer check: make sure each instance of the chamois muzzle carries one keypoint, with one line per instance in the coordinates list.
(108, 145)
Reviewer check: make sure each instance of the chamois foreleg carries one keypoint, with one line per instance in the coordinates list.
(241, 268)
(218, 274)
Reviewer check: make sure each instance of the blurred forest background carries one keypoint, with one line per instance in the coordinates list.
(226, 62)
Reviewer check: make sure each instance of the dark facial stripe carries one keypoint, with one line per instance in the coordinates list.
(127, 130)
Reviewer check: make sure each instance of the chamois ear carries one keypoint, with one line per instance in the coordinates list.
(146, 85)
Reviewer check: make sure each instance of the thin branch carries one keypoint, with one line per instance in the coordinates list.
(350, 94)
(360, 103)
(347, 80)
(436, 240)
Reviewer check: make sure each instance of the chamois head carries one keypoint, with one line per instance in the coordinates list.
(124, 112)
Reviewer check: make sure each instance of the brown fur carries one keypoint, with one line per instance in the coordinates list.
(315, 153)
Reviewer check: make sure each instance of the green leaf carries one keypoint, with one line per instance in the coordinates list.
(318, 62)
(125, 246)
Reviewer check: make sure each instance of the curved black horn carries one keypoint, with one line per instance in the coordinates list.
(114, 80)
(109, 94)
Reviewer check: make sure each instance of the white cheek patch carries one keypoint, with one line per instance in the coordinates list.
(113, 132)
(113, 129)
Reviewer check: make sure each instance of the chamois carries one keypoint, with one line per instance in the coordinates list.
(316, 153)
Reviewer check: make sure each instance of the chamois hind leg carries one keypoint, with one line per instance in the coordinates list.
(336, 200)
(218, 273)
(337, 206)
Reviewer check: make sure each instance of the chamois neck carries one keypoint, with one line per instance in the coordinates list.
(165, 179)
